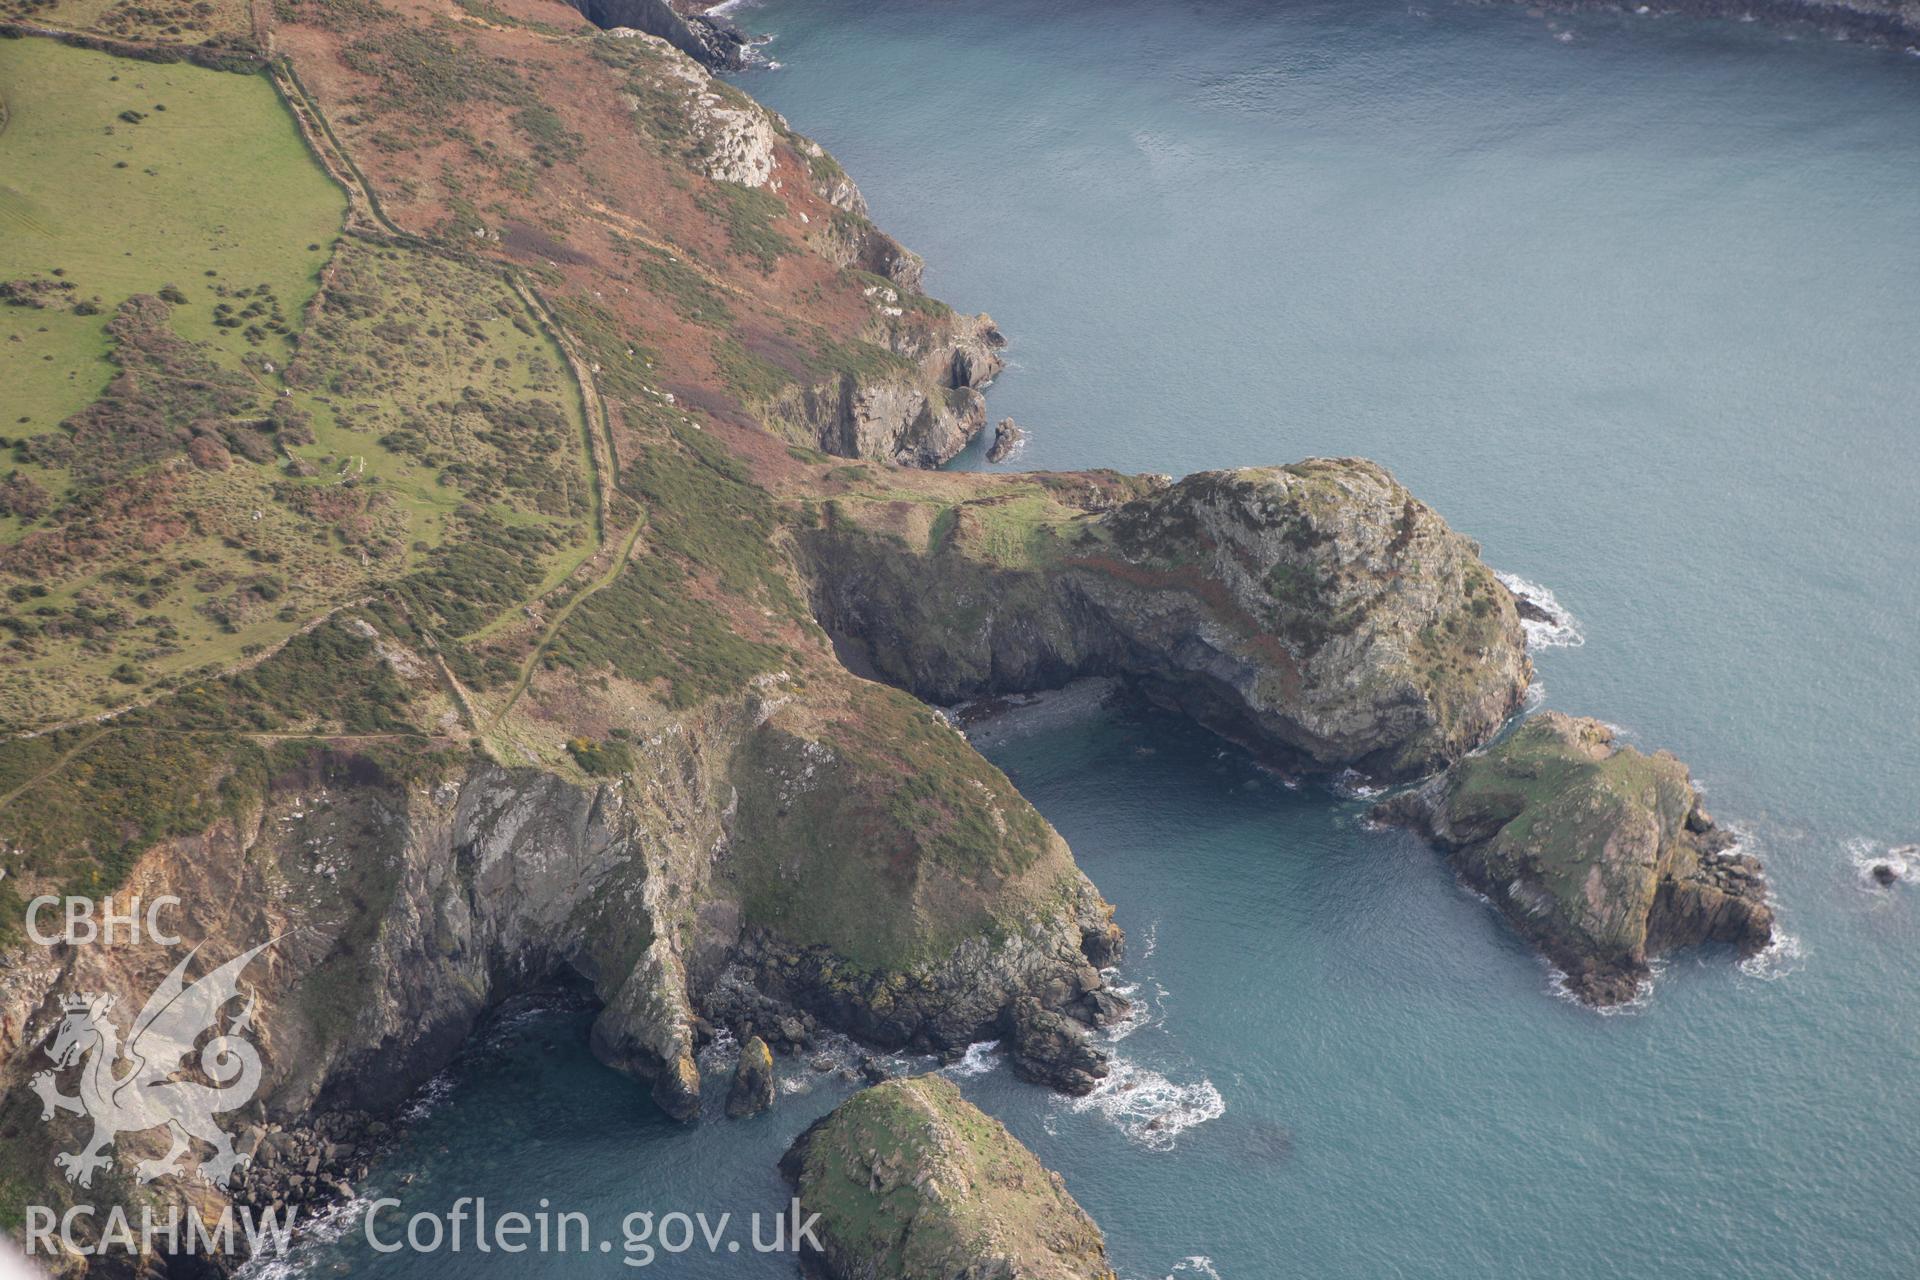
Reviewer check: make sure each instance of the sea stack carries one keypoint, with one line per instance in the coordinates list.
(752, 1090)
(1007, 436)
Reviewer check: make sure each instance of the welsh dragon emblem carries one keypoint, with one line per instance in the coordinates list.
(147, 1092)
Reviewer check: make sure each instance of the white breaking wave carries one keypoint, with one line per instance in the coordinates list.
(1198, 1264)
(1782, 957)
(1149, 1108)
(1866, 854)
(1558, 630)
(977, 1060)
(1642, 996)
(1351, 784)
(1139, 1011)
(720, 1055)
(311, 1235)
(427, 1099)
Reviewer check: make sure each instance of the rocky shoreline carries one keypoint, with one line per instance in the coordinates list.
(1316, 613)
(1894, 23)
(690, 27)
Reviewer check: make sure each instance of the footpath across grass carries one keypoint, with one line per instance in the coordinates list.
(200, 451)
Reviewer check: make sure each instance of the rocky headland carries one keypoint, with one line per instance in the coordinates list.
(1317, 612)
(912, 1181)
(1599, 855)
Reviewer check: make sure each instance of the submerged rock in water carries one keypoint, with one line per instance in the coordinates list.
(1885, 874)
(752, 1090)
(1597, 853)
(912, 1181)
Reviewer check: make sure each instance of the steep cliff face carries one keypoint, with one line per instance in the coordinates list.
(912, 1181)
(754, 864)
(687, 27)
(918, 409)
(1598, 854)
(1317, 612)
(906, 389)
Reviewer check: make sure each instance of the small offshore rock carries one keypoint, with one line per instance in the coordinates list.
(1007, 436)
(1051, 1048)
(911, 1181)
(1885, 874)
(752, 1090)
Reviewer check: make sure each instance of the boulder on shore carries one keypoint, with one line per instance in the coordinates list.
(1598, 854)
(912, 1181)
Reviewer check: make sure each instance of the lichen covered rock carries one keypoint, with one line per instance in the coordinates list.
(911, 1181)
(1597, 853)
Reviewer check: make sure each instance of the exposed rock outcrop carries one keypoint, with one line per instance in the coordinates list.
(1599, 855)
(1052, 1049)
(921, 410)
(851, 238)
(911, 1181)
(1317, 612)
(753, 862)
(735, 134)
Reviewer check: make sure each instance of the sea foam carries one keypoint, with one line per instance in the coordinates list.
(979, 1059)
(1148, 1107)
(1558, 630)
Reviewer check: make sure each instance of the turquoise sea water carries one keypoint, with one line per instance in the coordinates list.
(1637, 303)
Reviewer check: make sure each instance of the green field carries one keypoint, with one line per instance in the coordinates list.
(202, 451)
(212, 188)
